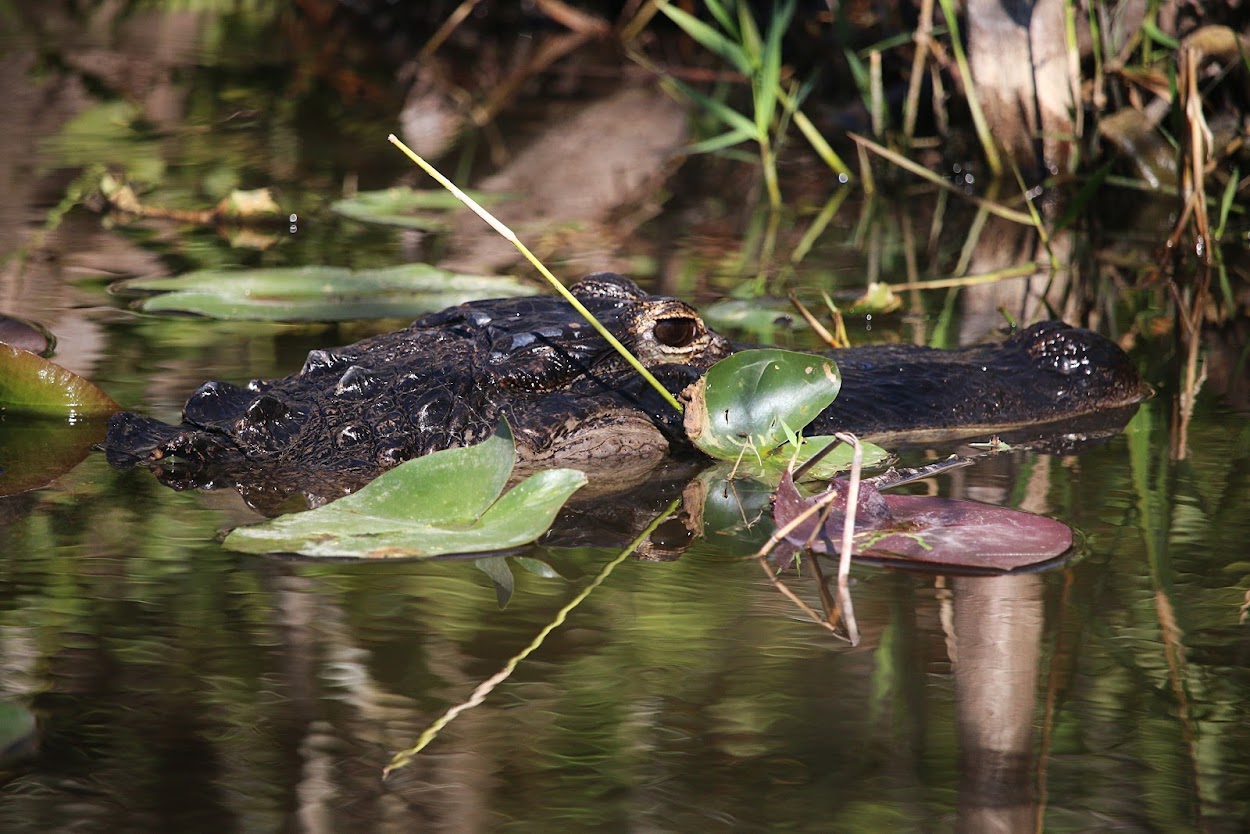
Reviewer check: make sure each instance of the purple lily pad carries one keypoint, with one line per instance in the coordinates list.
(921, 531)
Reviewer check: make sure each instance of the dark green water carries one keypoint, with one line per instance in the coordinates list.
(178, 686)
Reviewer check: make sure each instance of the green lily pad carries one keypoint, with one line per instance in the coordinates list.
(760, 318)
(318, 293)
(758, 400)
(771, 466)
(403, 206)
(446, 502)
(30, 384)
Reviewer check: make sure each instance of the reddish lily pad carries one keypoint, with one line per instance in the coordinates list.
(925, 532)
(27, 335)
(30, 384)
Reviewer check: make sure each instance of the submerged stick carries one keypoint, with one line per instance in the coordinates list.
(511, 237)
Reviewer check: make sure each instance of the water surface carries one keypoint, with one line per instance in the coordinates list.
(178, 686)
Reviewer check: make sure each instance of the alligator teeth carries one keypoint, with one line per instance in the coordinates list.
(215, 403)
(356, 382)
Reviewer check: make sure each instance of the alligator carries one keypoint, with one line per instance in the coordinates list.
(447, 380)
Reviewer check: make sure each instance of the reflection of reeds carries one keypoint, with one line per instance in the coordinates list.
(839, 611)
(988, 145)
(1191, 300)
(405, 757)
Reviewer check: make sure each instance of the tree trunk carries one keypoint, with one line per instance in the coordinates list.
(1025, 80)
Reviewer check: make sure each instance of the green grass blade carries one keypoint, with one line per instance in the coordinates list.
(722, 111)
(1160, 37)
(769, 80)
(724, 140)
(1226, 202)
(723, 17)
(970, 90)
(709, 38)
(749, 33)
(818, 142)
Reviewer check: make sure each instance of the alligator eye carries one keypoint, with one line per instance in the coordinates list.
(677, 333)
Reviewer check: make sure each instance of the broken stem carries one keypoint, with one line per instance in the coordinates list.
(848, 535)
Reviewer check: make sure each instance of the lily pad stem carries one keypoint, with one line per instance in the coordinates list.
(511, 237)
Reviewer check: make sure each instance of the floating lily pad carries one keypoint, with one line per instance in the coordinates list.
(762, 318)
(769, 467)
(758, 400)
(920, 531)
(442, 503)
(404, 207)
(30, 384)
(318, 293)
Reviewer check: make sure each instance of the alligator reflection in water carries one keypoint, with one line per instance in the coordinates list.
(445, 381)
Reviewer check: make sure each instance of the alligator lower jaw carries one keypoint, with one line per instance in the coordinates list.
(1057, 434)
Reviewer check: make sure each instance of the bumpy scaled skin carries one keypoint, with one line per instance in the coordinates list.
(1043, 375)
(446, 381)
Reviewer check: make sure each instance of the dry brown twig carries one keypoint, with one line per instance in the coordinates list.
(844, 610)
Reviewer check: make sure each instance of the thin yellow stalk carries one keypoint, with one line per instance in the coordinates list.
(970, 91)
(972, 240)
(922, 37)
(1017, 271)
(818, 226)
(511, 237)
(405, 757)
(814, 137)
(876, 93)
(924, 173)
